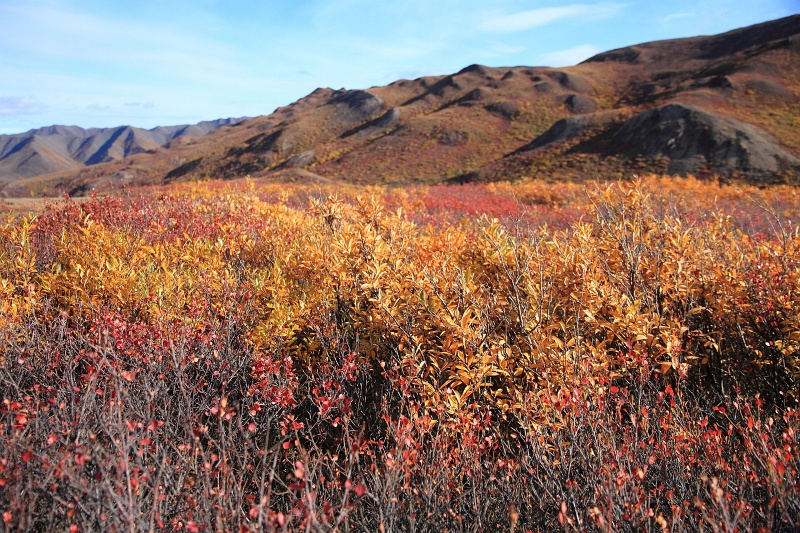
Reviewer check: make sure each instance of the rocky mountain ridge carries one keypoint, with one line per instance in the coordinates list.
(56, 148)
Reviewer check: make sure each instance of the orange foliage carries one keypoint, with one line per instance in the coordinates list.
(257, 356)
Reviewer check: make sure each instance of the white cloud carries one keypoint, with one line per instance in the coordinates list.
(503, 49)
(11, 106)
(676, 16)
(570, 56)
(526, 20)
(116, 45)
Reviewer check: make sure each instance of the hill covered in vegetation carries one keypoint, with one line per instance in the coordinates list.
(725, 105)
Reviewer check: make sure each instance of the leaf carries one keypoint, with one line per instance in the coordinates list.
(465, 320)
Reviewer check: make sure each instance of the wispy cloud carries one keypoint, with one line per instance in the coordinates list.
(503, 49)
(676, 16)
(570, 56)
(11, 106)
(526, 20)
(95, 40)
(146, 105)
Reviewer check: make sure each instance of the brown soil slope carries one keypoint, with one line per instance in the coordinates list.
(726, 104)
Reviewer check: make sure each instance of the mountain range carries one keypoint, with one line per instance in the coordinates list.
(57, 148)
(726, 105)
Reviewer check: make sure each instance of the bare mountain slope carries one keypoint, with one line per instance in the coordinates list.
(726, 104)
(56, 148)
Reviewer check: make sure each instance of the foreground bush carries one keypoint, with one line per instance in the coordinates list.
(223, 358)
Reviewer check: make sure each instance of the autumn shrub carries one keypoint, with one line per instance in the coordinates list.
(525, 356)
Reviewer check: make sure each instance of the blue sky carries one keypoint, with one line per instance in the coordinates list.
(163, 62)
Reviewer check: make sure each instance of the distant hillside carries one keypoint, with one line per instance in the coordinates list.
(727, 104)
(57, 148)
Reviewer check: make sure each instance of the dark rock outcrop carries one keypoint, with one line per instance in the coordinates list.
(358, 105)
(506, 109)
(567, 128)
(580, 104)
(301, 160)
(688, 136)
(573, 82)
(385, 122)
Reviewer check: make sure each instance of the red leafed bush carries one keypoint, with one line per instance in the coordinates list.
(523, 357)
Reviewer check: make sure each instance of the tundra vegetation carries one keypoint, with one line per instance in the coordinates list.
(495, 357)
